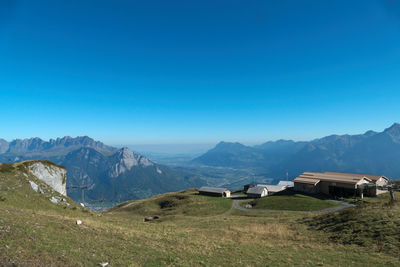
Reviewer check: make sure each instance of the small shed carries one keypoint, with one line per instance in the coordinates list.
(215, 191)
(257, 192)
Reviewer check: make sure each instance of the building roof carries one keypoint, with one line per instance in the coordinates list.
(272, 188)
(305, 180)
(213, 189)
(373, 177)
(256, 190)
(307, 177)
(286, 183)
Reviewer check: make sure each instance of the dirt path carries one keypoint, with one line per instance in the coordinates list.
(236, 205)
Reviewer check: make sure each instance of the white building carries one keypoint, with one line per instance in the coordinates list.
(257, 192)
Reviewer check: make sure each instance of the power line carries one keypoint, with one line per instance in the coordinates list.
(82, 187)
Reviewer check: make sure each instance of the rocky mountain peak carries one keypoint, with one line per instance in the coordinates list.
(394, 129)
(126, 159)
(221, 146)
(370, 133)
(59, 145)
(3, 145)
(126, 152)
(394, 132)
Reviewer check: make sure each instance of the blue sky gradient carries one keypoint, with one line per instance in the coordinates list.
(153, 72)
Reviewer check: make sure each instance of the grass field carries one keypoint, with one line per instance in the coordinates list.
(190, 232)
(182, 203)
(294, 202)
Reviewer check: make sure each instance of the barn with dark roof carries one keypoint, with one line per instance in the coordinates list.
(214, 191)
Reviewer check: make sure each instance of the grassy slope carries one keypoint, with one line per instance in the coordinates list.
(375, 225)
(292, 202)
(182, 203)
(39, 233)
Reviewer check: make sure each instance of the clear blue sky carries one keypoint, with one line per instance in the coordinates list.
(143, 72)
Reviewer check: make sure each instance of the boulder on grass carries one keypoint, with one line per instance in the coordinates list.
(151, 218)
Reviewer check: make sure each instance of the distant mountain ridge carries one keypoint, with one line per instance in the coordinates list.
(3, 145)
(110, 173)
(59, 145)
(123, 175)
(371, 152)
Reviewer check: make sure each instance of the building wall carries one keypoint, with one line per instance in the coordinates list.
(378, 192)
(263, 194)
(210, 194)
(306, 188)
(327, 187)
(224, 194)
(324, 186)
(381, 182)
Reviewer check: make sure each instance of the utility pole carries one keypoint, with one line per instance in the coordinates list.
(82, 187)
(392, 193)
(101, 200)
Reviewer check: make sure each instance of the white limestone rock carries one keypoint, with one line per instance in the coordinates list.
(52, 175)
(34, 186)
(127, 160)
(54, 200)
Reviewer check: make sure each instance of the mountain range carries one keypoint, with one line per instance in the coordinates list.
(32, 146)
(109, 173)
(120, 174)
(371, 152)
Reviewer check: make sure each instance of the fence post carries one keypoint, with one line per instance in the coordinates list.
(392, 194)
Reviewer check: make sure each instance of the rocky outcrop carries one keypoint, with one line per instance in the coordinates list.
(125, 159)
(54, 176)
